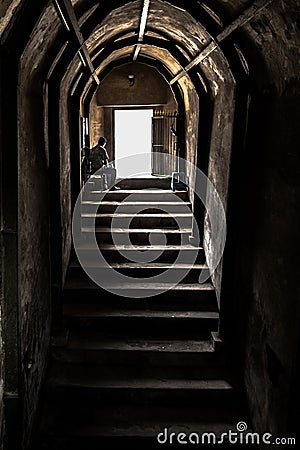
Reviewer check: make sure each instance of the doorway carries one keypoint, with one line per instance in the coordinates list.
(133, 137)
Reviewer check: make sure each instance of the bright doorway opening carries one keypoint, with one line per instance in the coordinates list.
(133, 136)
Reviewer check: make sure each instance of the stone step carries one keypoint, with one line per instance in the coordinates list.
(94, 311)
(145, 421)
(156, 356)
(132, 366)
(206, 302)
(145, 183)
(64, 367)
(126, 221)
(137, 376)
(139, 236)
(141, 323)
(154, 207)
(91, 384)
(136, 426)
(134, 438)
(94, 438)
(141, 294)
(139, 183)
(132, 195)
(186, 273)
(121, 253)
(74, 264)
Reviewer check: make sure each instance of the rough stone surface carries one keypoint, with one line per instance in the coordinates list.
(65, 167)
(219, 161)
(97, 122)
(118, 21)
(179, 26)
(275, 35)
(149, 87)
(34, 283)
(4, 6)
(1, 384)
(269, 233)
(270, 289)
(7, 10)
(1, 358)
(191, 106)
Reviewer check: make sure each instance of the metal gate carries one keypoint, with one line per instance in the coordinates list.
(164, 140)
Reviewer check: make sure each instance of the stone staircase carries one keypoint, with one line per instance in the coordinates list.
(133, 366)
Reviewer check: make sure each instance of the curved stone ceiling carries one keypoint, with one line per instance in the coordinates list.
(272, 37)
(176, 26)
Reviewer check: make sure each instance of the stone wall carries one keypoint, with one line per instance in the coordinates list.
(148, 87)
(191, 119)
(266, 194)
(34, 277)
(268, 258)
(97, 123)
(65, 165)
(219, 168)
(1, 383)
(34, 283)
(4, 6)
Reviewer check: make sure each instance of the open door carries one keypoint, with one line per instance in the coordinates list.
(133, 138)
(164, 140)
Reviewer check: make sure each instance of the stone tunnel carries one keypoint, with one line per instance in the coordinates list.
(230, 70)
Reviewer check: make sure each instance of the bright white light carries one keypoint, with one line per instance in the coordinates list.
(133, 136)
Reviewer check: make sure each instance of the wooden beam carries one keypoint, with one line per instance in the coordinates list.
(144, 18)
(204, 54)
(241, 20)
(143, 22)
(68, 17)
(137, 51)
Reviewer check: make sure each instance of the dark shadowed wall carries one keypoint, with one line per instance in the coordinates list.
(34, 283)
(264, 226)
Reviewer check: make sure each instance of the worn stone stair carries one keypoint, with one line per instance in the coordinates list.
(132, 366)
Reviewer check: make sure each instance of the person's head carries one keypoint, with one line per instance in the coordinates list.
(102, 141)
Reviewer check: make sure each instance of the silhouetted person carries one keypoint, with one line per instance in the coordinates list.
(99, 159)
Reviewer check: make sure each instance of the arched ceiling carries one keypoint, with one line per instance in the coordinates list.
(184, 36)
(170, 36)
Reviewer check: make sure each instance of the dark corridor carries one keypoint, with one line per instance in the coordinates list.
(228, 71)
